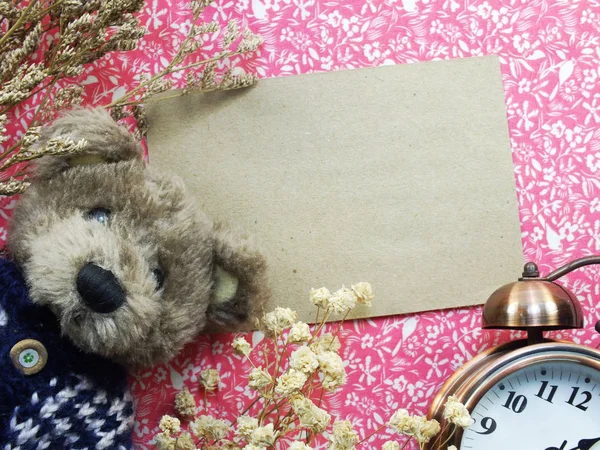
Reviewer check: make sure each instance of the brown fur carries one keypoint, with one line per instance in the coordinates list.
(154, 223)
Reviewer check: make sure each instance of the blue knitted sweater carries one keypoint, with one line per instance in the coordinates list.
(77, 401)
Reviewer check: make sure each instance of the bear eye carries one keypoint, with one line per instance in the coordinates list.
(100, 215)
(159, 276)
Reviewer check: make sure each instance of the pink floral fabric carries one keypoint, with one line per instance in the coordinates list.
(550, 56)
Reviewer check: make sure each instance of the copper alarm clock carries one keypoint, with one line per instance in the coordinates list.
(533, 394)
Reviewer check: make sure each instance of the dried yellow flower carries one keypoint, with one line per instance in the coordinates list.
(263, 436)
(12, 187)
(90, 29)
(299, 333)
(241, 346)
(169, 425)
(390, 445)
(291, 381)
(259, 378)
(320, 297)
(455, 412)
(342, 301)
(231, 34)
(245, 426)
(185, 404)
(278, 320)
(3, 137)
(304, 360)
(344, 437)
(250, 42)
(363, 292)
(31, 136)
(210, 379)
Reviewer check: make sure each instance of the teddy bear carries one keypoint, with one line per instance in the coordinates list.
(113, 267)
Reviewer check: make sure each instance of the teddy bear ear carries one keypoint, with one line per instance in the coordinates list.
(240, 289)
(106, 141)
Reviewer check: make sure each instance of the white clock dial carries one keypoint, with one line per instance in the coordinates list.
(545, 406)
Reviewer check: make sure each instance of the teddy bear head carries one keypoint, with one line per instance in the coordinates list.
(120, 253)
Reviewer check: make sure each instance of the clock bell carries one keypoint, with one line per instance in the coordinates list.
(535, 303)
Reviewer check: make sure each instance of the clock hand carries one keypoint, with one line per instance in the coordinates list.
(562, 446)
(586, 444)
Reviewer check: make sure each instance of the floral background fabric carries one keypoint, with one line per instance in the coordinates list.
(550, 57)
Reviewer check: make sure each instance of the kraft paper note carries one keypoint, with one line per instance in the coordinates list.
(399, 175)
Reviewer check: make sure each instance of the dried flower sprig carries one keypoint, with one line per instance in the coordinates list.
(46, 43)
(288, 407)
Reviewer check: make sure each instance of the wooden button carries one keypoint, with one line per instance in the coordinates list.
(29, 356)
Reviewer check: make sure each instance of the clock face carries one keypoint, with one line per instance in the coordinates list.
(544, 406)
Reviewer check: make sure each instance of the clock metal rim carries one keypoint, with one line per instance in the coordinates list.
(470, 383)
(467, 371)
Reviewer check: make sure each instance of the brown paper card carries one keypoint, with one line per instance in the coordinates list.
(400, 175)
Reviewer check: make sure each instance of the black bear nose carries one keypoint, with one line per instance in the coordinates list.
(99, 289)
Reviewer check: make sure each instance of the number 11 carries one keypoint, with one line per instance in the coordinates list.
(553, 389)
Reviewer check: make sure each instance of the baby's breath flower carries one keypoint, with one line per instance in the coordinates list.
(210, 428)
(185, 404)
(299, 333)
(304, 360)
(425, 429)
(226, 444)
(254, 447)
(169, 425)
(165, 442)
(278, 320)
(344, 437)
(185, 442)
(452, 447)
(259, 378)
(241, 346)
(363, 292)
(210, 379)
(310, 415)
(320, 297)
(455, 412)
(298, 445)
(291, 381)
(401, 421)
(245, 426)
(390, 445)
(342, 301)
(325, 343)
(332, 368)
(263, 436)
